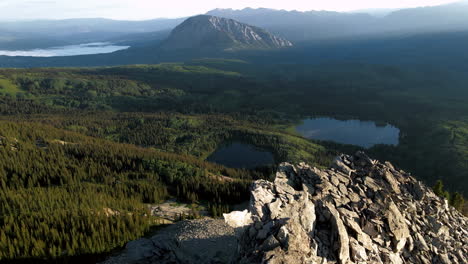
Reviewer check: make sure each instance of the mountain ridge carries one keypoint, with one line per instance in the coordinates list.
(296, 26)
(359, 210)
(318, 25)
(205, 31)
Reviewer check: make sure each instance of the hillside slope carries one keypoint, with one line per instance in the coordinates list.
(319, 25)
(63, 194)
(302, 26)
(358, 211)
(215, 32)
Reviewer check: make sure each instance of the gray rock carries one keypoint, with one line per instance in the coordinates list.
(213, 32)
(362, 237)
(204, 241)
(262, 194)
(340, 232)
(357, 219)
(362, 211)
(263, 233)
(139, 250)
(340, 165)
(270, 243)
(370, 183)
(358, 252)
(394, 184)
(397, 226)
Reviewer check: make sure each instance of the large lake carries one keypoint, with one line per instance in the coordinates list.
(355, 132)
(240, 155)
(71, 50)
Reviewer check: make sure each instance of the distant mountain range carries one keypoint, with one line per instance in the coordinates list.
(208, 32)
(376, 12)
(50, 33)
(292, 25)
(69, 27)
(430, 36)
(301, 26)
(318, 25)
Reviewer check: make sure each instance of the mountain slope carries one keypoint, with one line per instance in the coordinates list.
(63, 188)
(302, 26)
(318, 25)
(51, 33)
(426, 19)
(209, 32)
(443, 50)
(358, 211)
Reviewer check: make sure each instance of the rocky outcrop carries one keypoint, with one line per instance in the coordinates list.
(210, 32)
(359, 211)
(204, 241)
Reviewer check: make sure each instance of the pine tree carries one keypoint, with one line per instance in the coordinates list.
(457, 201)
(439, 190)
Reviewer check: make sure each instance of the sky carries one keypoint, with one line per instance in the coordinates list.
(149, 9)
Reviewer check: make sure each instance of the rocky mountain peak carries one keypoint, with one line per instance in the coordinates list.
(358, 211)
(206, 31)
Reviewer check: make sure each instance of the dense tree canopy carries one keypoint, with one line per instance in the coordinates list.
(84, 151)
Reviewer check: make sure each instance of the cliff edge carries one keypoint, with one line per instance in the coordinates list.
(358, 211)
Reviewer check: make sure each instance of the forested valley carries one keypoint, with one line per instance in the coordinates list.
(84, 151)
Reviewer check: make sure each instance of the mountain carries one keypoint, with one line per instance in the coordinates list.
(376, 12)
(208, 32)
(292, 25)
(68, 27)
(358, 211)
(301, 26)
(50, 33)
(425, 19)
(141, 39)
(319, 25)
(443, 50)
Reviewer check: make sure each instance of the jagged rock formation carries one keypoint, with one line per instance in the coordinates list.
(359, 211)
(208, 32)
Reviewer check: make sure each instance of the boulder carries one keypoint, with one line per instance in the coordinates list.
(358, 252)
(359, 211)
(397, 226)
(339, 231)
(238, 219)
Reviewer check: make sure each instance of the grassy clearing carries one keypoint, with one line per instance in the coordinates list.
(9, 88)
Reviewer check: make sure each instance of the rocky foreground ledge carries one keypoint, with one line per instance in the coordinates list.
(359, 211)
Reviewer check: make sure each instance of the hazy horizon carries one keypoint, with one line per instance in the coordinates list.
(24, 10)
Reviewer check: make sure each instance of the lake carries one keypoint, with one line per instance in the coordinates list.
(355, 132)
(71, 50)
(241, 155)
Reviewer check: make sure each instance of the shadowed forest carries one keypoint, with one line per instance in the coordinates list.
(85, 150)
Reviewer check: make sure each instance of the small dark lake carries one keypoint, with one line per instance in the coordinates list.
(241, 155)
(355, 132)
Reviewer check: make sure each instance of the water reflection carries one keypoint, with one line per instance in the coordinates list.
(355, 132)
(240, 155)
(71, 50)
